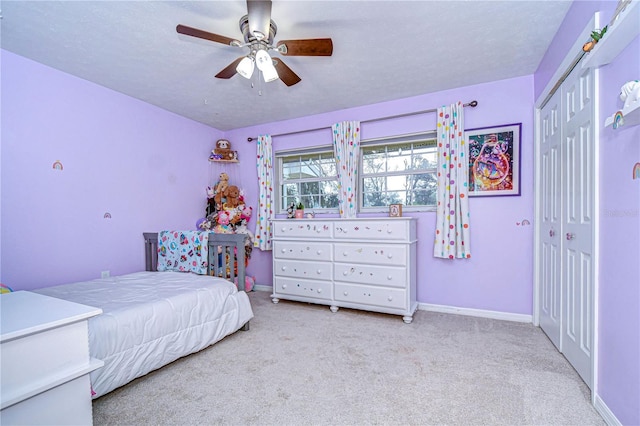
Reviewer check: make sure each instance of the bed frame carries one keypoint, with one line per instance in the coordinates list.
(227, 242)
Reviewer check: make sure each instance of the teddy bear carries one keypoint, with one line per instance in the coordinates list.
(223, 149)
(223, 182)
(231, 194)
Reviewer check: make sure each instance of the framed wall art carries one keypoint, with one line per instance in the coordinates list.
(494, 160)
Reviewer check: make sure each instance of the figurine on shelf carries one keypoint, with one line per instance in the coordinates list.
(630, 93)
(290, 211)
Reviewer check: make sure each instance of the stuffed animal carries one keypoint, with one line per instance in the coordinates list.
(245, 212)
(223, 182)
(630, 93)
(231, 194)
(223, 149)
(242, 229)
(223, 226)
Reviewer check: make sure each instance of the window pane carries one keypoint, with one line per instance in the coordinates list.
(310, 179)
(399, 173)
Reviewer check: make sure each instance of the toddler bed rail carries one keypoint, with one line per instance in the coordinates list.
(225, 252)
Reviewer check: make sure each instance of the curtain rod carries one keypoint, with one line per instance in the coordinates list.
(472, 104)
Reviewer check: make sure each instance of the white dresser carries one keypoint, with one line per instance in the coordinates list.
(362, 263)
(45, 363)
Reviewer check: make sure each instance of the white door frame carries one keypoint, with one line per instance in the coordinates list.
(562, 68)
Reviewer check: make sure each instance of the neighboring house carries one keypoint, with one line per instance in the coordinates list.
(129, 167)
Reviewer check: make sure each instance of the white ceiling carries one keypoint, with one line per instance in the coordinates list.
(383, 50)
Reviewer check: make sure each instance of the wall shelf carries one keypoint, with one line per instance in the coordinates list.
(618, 36)
(223, 161)
(630, 114)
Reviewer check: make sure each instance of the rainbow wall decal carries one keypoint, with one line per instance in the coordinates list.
(107, 215)
(636, 171)
(618, 119)
(57, 165)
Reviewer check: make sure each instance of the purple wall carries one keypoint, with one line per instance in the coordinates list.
(619, 278)
(143, 165)
(498, 277)
(619, 325)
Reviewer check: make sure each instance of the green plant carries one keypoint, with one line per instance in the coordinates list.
(598, 34)
(300, 206)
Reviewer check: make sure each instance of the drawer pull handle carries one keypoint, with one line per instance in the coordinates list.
(345, 254)
(284, 250)
(284, 286)
(319, 271)
(284, 229)
(389, 231)
(284, 268)
(389, 277)
(345, 273)
(389, 256)
(319, 290)
(346, 293)
(390, 298)
(319, 252)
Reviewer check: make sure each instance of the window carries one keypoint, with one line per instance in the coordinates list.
(308, 177)
(398, 173)
(397, 170)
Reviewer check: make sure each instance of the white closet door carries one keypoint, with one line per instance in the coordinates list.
(578, 224)
(550, 248)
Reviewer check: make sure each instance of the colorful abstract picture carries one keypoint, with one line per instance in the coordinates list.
(494, 160)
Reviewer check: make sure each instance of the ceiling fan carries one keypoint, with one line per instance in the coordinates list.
(259, 31)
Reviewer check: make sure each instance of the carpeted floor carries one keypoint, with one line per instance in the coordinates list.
(300, 364)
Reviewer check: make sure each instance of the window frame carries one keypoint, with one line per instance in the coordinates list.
(279, 157)
(369, 143)
(389, 142)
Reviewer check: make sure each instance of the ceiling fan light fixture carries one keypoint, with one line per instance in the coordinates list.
(263, 60)
(269, 74)
(245, 67)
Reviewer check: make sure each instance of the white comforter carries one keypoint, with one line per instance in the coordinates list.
(153, 318)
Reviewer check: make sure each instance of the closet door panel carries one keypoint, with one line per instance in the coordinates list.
(578, 227)
(551, 220)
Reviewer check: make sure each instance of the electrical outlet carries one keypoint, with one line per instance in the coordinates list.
(105, 274)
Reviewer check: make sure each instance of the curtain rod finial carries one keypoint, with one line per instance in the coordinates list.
(473, 104)
(249, 139)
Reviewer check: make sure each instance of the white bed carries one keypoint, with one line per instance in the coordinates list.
(150, 319)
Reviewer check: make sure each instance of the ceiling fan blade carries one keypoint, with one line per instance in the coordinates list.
(194, 32)
(309, 47)
(259, 12)
(285, 73)
(230, 70)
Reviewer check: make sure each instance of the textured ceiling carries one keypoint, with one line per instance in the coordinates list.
(383, 50)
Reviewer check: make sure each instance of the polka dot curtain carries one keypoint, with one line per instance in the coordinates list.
(346, 147)
(264, 162)
(452, 211)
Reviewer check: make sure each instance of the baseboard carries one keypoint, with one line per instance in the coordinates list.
(505, 316)
(604, 411)
(262, 287)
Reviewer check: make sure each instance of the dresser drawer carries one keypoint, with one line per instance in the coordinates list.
(378, 254)
(367, 295)
(300, 228)
(305, 288)
(308, 270)
(299, 250)
(371, 274)
(372, 230)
